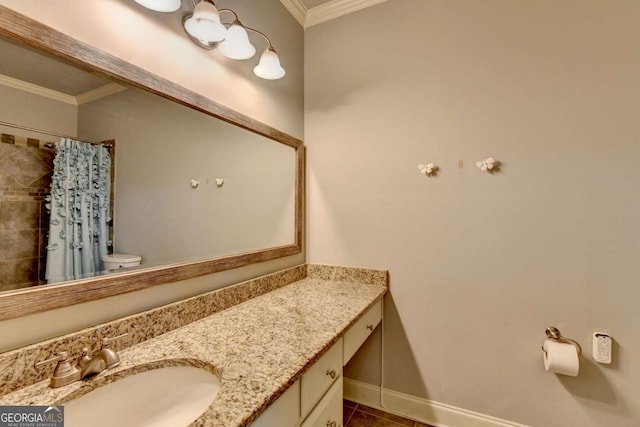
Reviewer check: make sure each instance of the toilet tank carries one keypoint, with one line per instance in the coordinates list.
(118, 261)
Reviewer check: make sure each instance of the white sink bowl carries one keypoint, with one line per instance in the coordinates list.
(167, 397)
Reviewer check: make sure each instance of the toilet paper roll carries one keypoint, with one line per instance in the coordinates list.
(561, 358)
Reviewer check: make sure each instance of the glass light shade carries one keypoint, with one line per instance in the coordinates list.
(206, 10)
(160, 5)
(269, 67)
(237, 45)
(205, 24)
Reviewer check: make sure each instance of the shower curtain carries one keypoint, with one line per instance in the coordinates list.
(79, 211)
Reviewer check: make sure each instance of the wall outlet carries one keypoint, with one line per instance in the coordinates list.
(602, 344)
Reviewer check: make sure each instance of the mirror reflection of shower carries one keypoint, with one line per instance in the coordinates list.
(43, 248)
(79, 208)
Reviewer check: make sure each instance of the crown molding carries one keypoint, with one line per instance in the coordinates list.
(325, 12)
(297, 9)
(335, 9)
(99, 92)
(83, 98)
(37, 90)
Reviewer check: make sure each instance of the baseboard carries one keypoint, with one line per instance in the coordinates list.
(423, 410)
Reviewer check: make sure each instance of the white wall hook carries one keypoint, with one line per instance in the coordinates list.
(429, 169)
(219, 182)
(488, 165)
(194, 183)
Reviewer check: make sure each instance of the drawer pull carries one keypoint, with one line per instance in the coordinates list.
(370, 327)
(332, 373)
(332, 424)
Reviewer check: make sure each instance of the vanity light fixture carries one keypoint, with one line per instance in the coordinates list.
(204, 24)
(269, 65)
(236, 44)
(160, 5)
(207, 31)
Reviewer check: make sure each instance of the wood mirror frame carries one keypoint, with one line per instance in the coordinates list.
(21, 29)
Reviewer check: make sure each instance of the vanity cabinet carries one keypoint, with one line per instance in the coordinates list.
(316, 398)
(360, 331)
(283, 412)
(317, 380)
(328, 413)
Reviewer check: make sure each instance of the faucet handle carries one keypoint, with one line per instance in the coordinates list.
(64, 373)
(105, 341)
(111, 358)
(59, 357)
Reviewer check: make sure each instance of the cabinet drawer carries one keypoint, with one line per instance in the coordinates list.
(284, 412)
(319, 377)
(359, 332)
(329, 410)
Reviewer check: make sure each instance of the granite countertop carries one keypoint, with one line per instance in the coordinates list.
(257, 349)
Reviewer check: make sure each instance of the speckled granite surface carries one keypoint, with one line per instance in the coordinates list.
(16, 367)
(257, 348)
(348, 274)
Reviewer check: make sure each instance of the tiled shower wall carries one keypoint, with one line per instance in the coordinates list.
(25, 178)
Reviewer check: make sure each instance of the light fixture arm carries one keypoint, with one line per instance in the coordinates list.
(269, 45)
(237, 20)
(235, 15)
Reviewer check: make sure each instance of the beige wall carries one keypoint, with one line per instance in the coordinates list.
(156, 42)
(160, 147)
(481, 264)
(34, 111)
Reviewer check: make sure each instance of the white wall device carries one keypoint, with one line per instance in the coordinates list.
(602, 344)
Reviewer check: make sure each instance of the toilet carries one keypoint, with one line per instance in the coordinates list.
(118, 261)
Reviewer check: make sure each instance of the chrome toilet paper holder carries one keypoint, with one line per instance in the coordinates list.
(553, 333)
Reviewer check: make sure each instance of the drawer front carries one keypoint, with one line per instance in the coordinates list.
(358, 333)
(284, 412)
(319, 377)
(329, 410)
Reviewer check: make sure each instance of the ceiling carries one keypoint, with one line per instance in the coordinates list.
(312, 12)
(39, 69)
(34, 72)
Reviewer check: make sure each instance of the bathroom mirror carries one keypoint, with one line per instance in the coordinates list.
(199, 188)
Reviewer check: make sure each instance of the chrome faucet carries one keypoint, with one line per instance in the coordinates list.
(65, 373)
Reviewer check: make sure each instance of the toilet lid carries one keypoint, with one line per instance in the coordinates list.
(121, 258)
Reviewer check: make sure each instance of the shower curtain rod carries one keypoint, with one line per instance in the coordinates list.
(51, 145)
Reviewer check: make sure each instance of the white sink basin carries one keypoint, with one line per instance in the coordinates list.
(167, 397)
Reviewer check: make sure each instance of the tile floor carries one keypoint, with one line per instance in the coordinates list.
(356, 415)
